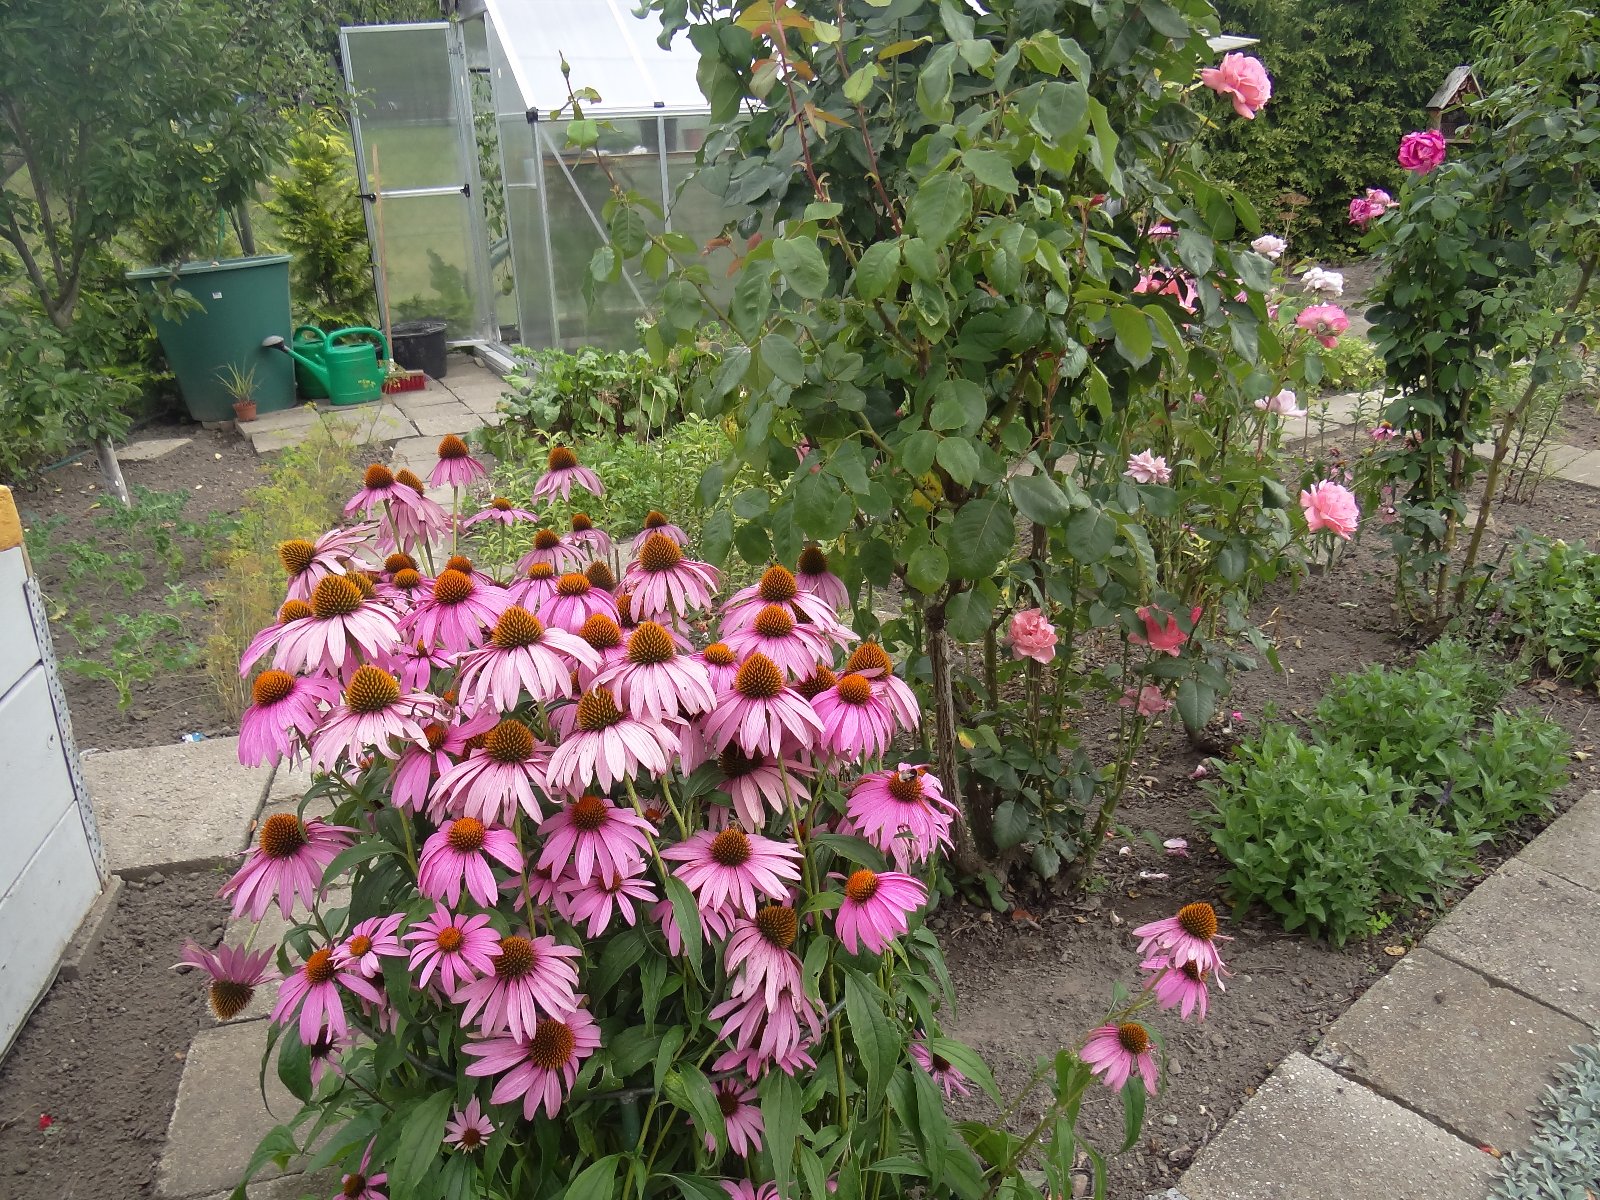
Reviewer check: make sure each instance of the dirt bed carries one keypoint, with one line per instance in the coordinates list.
(98, 1063)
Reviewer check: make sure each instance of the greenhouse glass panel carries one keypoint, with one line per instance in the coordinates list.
(417, 155)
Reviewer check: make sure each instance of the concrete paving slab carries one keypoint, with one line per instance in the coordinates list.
(1308, 1132)
(274, 926)
(317, 1186)
(412, 403)
(1443, 1041)
(301, 416)
(485, 403)
(1570, 847)
(387, 424)
(415, 450)
(1532, 931)
(150, 449)
(219, 1118)
(1584, 470)
(441, 419)
(185, 805)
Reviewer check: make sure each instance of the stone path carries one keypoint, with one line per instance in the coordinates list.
(461, 402)
(1342, 417)
(1444, 1058)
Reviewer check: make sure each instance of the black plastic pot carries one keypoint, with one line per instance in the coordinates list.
(419, 346)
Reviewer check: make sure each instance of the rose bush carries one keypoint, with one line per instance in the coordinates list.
(607, 887)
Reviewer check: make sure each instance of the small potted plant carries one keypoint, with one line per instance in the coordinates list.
(241, 386)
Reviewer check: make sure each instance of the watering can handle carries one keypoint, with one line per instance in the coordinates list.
(299, 329)
(366, 329)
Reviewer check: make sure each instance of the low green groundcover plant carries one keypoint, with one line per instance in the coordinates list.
(1563, 1161)
(583, 907)
(1405, 772)
(1548, 602)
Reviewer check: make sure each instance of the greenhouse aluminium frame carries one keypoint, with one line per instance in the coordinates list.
(477, 210)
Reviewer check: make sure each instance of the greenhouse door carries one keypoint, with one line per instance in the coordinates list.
(418, 158)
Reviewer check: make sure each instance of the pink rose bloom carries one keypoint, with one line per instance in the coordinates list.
(1380, 199)
(1145, 467)
(1330, 506)
(1032, 636)
(1148, 700)
(1269, 246)
(1159, 282)
(1243, 80)
(1422, 151)
(1325, 321)
(1362, 211)
(1284, 404)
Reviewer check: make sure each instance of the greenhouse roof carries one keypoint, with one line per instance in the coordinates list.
(608, 48)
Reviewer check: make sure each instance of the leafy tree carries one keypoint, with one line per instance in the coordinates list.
(1347, 80)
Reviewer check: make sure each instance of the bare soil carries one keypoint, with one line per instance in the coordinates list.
(98, 1062)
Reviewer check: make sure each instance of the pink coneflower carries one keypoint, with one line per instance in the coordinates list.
(313, 990)
(468, 1129)
(812, 576)
(574, 601)
(459, 947)
(358, 1185)
(309, 563)
(369, 942)
(760, 715)
(654, 682)
(778, 587)
(761, 951)
(755, 1065)
(522, 656)
(774, 633)
(456, 467)
(714, 924)
(532, 977)
(341, 621)
(537, 584)
(902, 812)
(1190, 936)
(608, 892)
(755, 783)
(288, 862)
(721, 665)
(420, 764)
(291, 612)
(1116, 1051)
(404, 589)
(460, 850)
(555, 551)
(456, 613)
(284, 709)
(732, 866)
(324, 1051)
(655, 522)
(416, 523)
(607, 746)
(743, 1189)
(876, 907)
(1183, 988)
(664, 583)
(770, 1031)
(379, 490)
(564, 474)
(604, 636)
(540, 1068)
(945, 1075)
(374, 714)
(855, 720)
(869, 659)
(591, 835)
(235, 974)
(742, 1122)
(584, 533)
(500, 512)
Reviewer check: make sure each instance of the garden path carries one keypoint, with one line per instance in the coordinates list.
(1439, 1067)
(461, 402)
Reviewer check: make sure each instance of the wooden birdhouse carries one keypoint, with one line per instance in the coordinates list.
(1447, 111)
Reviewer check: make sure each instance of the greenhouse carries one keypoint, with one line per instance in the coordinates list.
(478, 211)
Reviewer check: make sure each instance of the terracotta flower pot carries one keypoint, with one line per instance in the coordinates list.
(244, 410)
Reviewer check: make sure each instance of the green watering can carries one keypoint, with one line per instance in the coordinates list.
(324, 369)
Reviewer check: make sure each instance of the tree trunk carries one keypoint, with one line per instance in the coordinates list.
(966, 858)
(245, 228)
(112, 470)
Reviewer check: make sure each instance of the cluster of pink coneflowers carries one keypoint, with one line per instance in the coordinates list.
(537, 736)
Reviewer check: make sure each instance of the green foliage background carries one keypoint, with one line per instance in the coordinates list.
(1348, 80)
